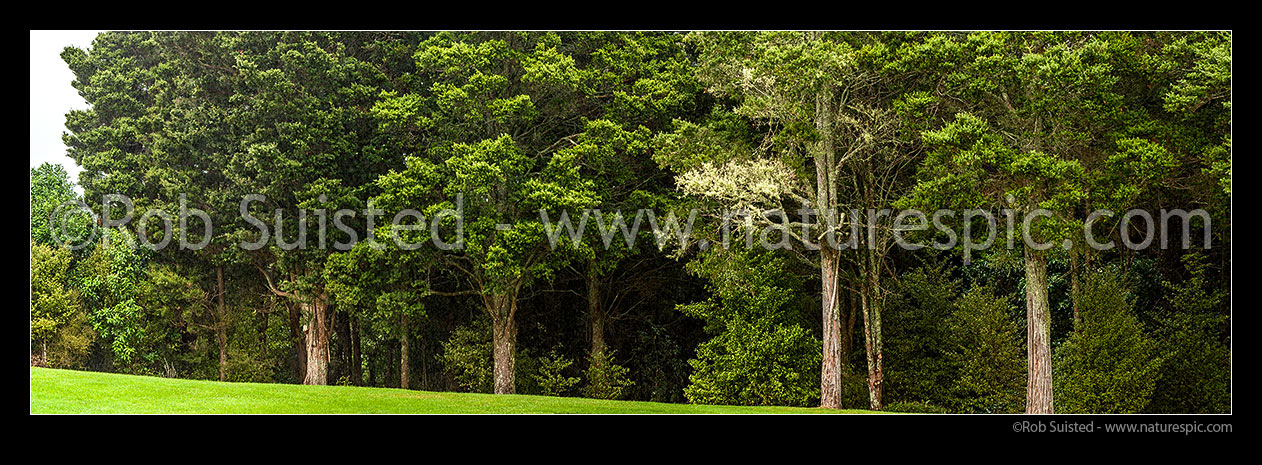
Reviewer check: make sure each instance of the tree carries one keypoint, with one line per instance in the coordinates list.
(308, 144)
(110, 282)
(55, 220)
(385, 288)
(1025, 107)
(817, 100)
(500, 119)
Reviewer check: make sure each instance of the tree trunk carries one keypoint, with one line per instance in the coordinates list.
(404, 348)
(318, 329)
(425, 384)
(870, 300)
(296, 335)
(1074, 289)
(343, 348)
(221, 326)
(392, 354)
(826, 202)
(357, 362)
(872, 347)
(504, 338)
(596, 313)
(830, 371)
(267, 320)
(847, 333)
(1038, 396)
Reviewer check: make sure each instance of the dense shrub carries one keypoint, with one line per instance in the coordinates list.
(1196, 370)
(986, 350)
(467, 356)
(1109, 365)
(759, 355)
(914, 407)
(605, 378)
(550, 377)
(916, 339)
(60, 333)
(753, 364)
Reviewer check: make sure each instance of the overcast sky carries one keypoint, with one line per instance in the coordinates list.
(52, 96)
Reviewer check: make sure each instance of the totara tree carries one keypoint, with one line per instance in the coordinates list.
(819, 117)
(1025, 109)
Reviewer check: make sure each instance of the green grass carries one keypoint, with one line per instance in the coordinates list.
(66, 391)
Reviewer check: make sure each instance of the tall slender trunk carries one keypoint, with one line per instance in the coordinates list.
(870, 300)
(830, 371)
(826, 202)
(1074, 289)
(405, 347)
(872, 347)
(392, 354)
(221, 326)
(847, 333)
(318, 329)
(296, 335)
(1038, 396)
(357, 363)
(267, 320)
(503, 308)
(596, 313)
(425, 384)
(343, 348)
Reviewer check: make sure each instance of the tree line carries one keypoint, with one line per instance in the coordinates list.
(811, 134)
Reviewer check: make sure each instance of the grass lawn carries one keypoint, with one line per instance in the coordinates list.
(66, 391)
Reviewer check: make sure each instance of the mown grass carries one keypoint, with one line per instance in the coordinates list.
(66, 391)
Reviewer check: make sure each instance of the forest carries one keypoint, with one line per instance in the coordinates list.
(290, 159)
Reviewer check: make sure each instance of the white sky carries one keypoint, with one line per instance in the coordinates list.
(52, 96)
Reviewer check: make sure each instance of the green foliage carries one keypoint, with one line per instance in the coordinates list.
(550, 375)
(605, 378)
(54, 219)
(1195, 374)
(986, 349)
(503, 124)
(914, 407)
(917, 341)
(961, 352)
(752, 364)
(111, 281)
(60, 333)
(759, 354)
(467, 356)
(1110, 365)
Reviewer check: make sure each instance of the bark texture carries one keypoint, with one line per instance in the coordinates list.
(830, 372)
(405, 346)
(596, 313)
(504, 338)
(221, 325)
(830, 264)
(297, 336)
(319, 326)
(870, 300)
(1038, 396)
